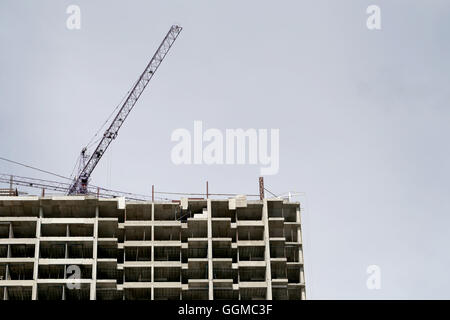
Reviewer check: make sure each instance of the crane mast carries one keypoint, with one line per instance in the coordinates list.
(81, 180)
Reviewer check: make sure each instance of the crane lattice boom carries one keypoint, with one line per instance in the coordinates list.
(80, 184)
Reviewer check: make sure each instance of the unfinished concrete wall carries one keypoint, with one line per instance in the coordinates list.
(81, 248)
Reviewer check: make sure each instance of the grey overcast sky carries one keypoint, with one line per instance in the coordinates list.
(363, 116)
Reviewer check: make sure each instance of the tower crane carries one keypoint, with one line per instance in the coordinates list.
(88, 163)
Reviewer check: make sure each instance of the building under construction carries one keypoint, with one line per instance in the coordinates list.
(87, 248)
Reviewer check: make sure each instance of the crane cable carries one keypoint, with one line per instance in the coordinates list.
(92, 142)
(72, 174)
(156, 192)
(34, 168)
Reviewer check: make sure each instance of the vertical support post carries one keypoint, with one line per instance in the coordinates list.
(124, 255)
(207, 190)
(237, 255)
(153, 252)
(5, 293)
(98, 192)
(66, 256)
(265, 215)
(8, 254)
(93, 290)
(300, 253)
(210, 255)
(299, 235)
(261, 188)
(303, 291)
(11, 183)
(7, 276)
(36, 254)
(153, 193)
(43, 192)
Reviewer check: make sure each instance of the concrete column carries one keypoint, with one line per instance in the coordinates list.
(265, 216)
(300, 254)
(237, 255)
(93, 290)
(210, 253)
(66, 255)
(302, 275)
(153, 252)
(8, 250)
(299, 236)
(8, 255)
(5, 293)
(36, 254)
(11, 231)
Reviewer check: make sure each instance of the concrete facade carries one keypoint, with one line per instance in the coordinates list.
(84, 248)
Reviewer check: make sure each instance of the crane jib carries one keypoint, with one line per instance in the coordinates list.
(81, 181)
